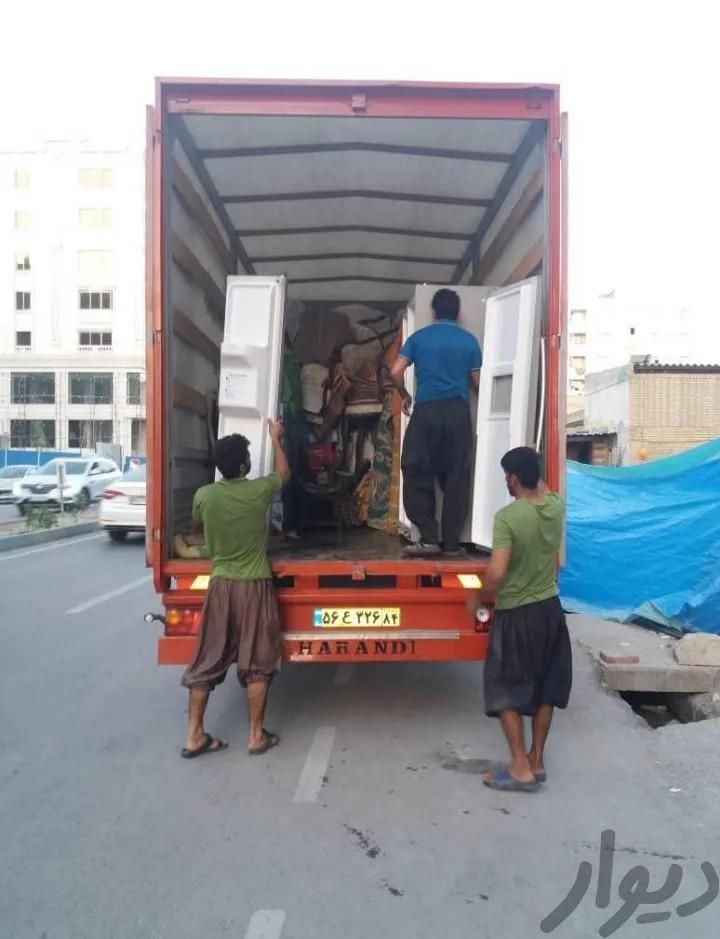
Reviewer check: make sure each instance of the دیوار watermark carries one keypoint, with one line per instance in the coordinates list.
(634, 891)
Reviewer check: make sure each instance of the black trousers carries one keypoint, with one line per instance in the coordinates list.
(438, 447)
(529, 659)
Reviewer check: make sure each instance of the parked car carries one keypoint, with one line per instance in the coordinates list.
(122, 509)
(85, 482)
(9, 476)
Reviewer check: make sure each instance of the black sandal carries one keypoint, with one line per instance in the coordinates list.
(270, 740)
(210, 745)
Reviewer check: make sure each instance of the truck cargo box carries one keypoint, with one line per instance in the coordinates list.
(354, 199)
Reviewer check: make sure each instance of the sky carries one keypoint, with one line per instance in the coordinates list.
(639, 80)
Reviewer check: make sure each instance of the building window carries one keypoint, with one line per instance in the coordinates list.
(22, 262)
(134, 388)
(137, 437)
(90, 388)
(22, 179)
(578, 363)
(85, 435)
(32, 387)
(36, 434)
(94, 340)
(95, 177)
(23, 301)
(577, 339)
(92, 263)
(632, 330)
(23, 341)
(578, 317)
(95, 218)
(22, 220)
(96, 300)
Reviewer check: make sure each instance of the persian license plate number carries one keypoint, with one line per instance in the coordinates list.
(354, 617)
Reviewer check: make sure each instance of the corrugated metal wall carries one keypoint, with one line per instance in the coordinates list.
(201, 256)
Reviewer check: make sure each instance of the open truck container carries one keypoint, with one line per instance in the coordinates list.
(337, 193)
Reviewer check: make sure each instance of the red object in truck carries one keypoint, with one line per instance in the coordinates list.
(355, 191)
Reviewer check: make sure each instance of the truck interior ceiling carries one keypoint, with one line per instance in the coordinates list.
(357, 213)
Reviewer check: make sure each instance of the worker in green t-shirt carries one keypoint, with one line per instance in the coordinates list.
(240, 621)
(528, 670)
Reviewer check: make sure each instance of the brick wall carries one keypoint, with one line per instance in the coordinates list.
(670, 412)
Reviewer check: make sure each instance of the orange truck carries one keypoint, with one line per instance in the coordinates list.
(327, 196)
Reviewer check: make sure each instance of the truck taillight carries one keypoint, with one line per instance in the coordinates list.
(483, 616)
(466, 581)
(181, 622)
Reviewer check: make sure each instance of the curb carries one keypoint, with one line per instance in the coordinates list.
(11, 542)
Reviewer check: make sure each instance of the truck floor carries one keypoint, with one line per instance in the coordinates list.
(359, 544)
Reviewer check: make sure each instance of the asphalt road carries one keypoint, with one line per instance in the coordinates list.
(369, 820)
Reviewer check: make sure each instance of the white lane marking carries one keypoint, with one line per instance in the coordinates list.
(266, 924)
(316, 764)
(62, 543)
(88, 604)
(344, 673)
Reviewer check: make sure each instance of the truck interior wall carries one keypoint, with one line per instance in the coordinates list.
(518, 230)
(202, 255)
(202, 251)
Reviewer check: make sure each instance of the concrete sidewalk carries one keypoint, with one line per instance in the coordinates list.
(31, 538)
(650, 666)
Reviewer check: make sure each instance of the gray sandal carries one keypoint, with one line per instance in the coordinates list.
(504, 782)
(209, 745)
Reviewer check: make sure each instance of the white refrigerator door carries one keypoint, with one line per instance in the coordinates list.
(507, 399)
(251, 363)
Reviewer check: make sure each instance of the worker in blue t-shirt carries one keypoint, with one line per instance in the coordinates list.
(438, 441)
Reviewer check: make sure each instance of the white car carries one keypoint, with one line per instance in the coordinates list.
(122, 509)
(10, 476)
(85, 481)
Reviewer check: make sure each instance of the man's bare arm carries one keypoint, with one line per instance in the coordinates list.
(499, 563)
(282, 465)
(497, 569)
(397, 373)
(475, 379)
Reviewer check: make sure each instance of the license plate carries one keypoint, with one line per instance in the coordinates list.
(335, 617)
(137, 500)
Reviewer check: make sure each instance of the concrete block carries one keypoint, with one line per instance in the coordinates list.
(698, 649)
(682, 679)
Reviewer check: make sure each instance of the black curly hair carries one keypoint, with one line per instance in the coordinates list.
(232, 456)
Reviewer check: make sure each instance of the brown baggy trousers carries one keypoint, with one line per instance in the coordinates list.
(240, 626)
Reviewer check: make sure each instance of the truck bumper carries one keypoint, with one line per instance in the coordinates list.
(427, 645)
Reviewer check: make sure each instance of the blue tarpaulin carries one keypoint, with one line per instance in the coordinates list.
(643, 542)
